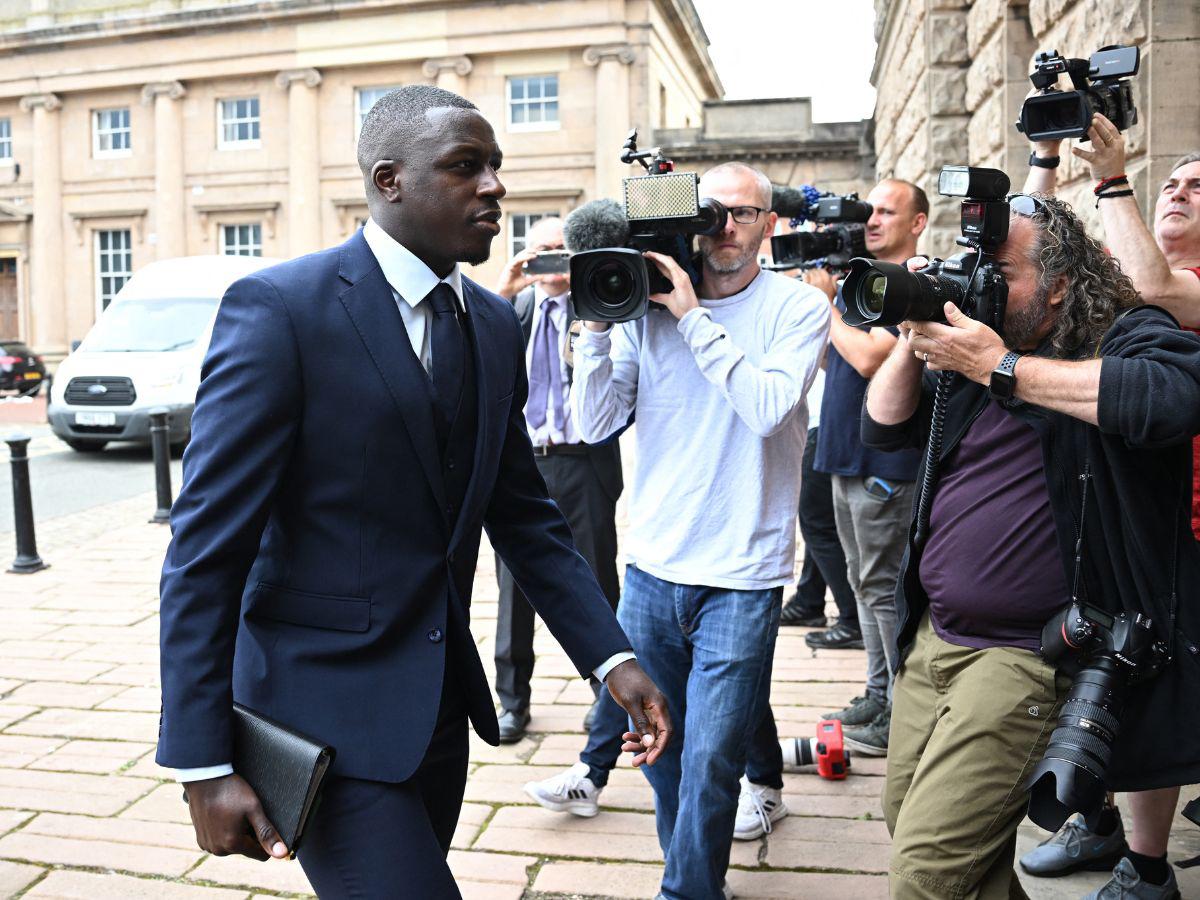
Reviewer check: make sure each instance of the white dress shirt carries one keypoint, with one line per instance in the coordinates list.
(551, 431)
(411, 282)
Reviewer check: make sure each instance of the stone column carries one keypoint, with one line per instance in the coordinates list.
(304, 160)
(170, 212)
(612, 112)
(47, 294)
(449, 72)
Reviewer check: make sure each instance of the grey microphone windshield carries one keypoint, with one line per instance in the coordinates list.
(596, 225)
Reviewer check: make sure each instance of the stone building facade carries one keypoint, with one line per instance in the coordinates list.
(148, 129)
(951, 76)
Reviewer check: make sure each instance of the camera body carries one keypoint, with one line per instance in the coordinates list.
(841, 235)
(879, 293)
(663, 213)
(1101, 86)
(548, 262)
(1104, 653)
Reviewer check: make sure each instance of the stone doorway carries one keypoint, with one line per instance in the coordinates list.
(8, 298)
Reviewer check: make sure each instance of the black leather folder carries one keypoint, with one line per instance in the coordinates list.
(285, 768)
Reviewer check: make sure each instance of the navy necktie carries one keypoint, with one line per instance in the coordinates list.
(448, 350)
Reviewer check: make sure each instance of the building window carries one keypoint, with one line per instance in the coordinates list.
(533, 103)
(6, 140)
(241, 240)
(114, 264)
(237, 123)
(518, 230)
(110, 132)
(367, 97)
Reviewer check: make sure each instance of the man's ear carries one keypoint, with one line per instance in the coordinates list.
(1058, 291)
(385, 175)
(920, 220)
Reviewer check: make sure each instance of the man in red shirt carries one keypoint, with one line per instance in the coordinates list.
(1164, 266)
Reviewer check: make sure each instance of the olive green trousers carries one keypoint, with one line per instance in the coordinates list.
(968, 726)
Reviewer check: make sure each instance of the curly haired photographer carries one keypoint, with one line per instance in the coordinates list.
(1105, 399)
(1164, 265)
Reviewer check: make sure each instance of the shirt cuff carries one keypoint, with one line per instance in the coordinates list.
(688, 320)
(203, 774)
(594, 343)
(601, 671)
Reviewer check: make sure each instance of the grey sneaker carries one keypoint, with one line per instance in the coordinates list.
(1073, 848)
(861, 711)
(872, 739)
(1126, 884)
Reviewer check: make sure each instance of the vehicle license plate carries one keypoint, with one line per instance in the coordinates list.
(33, 376)
(95, 418)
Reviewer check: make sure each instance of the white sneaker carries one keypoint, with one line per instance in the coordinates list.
(758, 809)
(570, 791)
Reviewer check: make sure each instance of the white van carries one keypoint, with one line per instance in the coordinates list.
(144, 352)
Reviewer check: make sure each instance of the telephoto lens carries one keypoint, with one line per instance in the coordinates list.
(881, 293)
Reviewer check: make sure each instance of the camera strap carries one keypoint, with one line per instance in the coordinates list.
(1077, 580)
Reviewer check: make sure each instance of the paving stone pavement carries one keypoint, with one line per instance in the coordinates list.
(85, 812)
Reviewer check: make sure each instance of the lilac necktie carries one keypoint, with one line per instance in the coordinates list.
(545, 374)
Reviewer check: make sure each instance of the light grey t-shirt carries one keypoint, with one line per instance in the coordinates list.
(720, 428)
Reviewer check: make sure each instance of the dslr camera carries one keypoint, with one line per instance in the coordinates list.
(840, 236)
(1101, 86)
(660, 211)
(1104, 653)
(880, 293)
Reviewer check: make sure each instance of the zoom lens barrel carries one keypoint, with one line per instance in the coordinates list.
(880, 293)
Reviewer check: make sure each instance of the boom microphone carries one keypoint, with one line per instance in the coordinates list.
(794, 203)
(596, 225)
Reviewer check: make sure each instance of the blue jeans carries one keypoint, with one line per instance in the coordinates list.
(709, 650)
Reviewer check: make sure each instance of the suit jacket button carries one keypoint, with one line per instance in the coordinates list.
(435, 635)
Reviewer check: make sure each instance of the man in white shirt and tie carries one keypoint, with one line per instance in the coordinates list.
(585, 481)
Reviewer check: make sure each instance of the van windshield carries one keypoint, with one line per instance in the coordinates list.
(150, 326)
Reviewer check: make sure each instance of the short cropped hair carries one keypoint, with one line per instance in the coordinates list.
(764, 183)
(399, 116)
(920, 201)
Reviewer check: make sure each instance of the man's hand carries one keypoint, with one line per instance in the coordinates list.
(1106, 159)
(682, 299)
(229, 819)
(823, 280)
(962, 345)
(512, 280)
(646, 705)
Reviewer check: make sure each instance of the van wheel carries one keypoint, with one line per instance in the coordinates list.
(177, 447)
(87, 446)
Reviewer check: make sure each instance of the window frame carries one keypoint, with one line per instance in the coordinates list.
(530, 219)
(6, 140)
(99, 152)
(511, 126)
(222, 231)
(249, 143)
(100, 275)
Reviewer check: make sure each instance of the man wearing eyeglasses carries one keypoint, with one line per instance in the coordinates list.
(1164, 265)
(717, 380)
(1087, 393)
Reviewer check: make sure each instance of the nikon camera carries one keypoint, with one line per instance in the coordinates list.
(1101, 86)
(883, 293)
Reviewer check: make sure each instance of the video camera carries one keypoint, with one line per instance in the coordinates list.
(880, 293)
(662, 211)
(841, 234)
(1053, 114)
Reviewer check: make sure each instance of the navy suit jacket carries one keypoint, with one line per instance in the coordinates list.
(313, 573)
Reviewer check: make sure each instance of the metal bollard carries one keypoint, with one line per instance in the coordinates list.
(160, 441)
(27, 560)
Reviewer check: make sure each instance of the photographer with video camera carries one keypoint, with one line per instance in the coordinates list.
(1051, 574)
(584, 480)
(1164, 265)
(872, 491)
(717, 380)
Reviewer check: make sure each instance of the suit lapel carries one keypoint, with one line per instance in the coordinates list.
(369, 304)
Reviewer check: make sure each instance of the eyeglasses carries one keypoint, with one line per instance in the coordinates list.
(745, 215)
(1025, 205)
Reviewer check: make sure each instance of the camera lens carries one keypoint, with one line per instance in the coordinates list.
(873, 290)
(612, 284)
(880, 293)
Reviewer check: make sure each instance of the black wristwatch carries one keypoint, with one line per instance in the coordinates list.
(1044, 162)
(1004, 381)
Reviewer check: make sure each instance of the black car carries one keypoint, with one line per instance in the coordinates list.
(20, 369)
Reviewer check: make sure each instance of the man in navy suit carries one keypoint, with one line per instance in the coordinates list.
(359, 420)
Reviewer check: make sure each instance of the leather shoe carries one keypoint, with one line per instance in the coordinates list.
(513, 725)
(839, 637)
